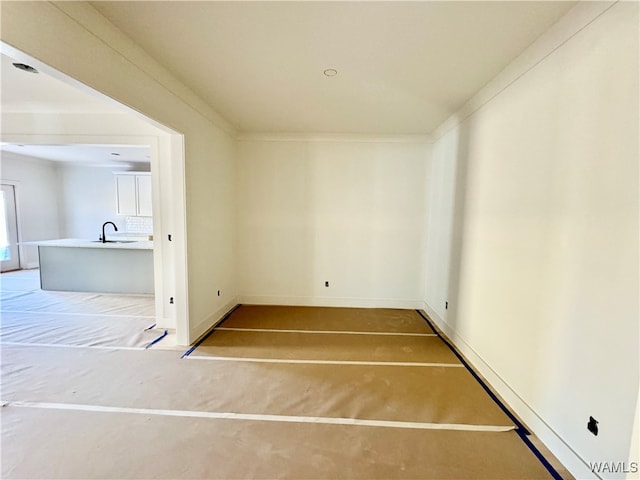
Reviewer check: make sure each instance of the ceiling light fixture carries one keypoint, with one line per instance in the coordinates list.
(25, 67)
(330, 72)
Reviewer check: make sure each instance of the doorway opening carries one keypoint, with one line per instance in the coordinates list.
(51, 109)
(9, 251)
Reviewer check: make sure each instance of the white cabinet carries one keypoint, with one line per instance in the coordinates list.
(143, 184)
(133, 194)
(126, 195)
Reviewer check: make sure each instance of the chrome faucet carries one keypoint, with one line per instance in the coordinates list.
(104, 237)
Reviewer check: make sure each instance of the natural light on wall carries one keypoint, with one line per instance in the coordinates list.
(4, 237)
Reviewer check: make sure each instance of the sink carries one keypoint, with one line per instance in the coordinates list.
(114, 241)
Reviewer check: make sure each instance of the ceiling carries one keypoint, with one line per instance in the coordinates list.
(115, 156)
(38, 93)
(25, 92)
(403, 67)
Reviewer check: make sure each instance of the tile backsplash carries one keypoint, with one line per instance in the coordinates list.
(139, 225)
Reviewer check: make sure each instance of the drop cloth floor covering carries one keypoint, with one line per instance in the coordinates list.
(33, 316)
(315, 405)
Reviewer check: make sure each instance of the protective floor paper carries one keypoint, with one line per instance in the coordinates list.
(404, 394)
(324, 318)
(20, 281)
(81, 303)
(33, 316)
(308, 346)
(249, 402)
(78, 330)
(115, 445)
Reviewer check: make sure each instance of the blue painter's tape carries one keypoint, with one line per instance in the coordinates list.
(213, 329)
(153, 325)
(554, 473)
(166, 332)
(188, 352)
(522, 431)
(493, 396)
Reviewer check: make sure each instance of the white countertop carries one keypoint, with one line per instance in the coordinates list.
(82, 243)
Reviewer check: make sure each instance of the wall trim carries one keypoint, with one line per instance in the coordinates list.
(553, 441)
(112, 37)
(332, 137)
(209, 323)
(65, 164)
(330, 302)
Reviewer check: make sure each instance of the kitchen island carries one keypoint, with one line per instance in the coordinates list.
(92, 266)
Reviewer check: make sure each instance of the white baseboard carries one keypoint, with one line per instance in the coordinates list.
(330, 302)
(554, 442)
(203, 328)
(167, 323)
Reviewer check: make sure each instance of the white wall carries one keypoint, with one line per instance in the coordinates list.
(60, 201)
(74, 39)
(350, 212)
(37, 191)
(88, 198)
(533, 236)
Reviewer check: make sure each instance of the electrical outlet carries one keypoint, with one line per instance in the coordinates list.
(326, 284)
(592, 426)
(446, 305)
(218, 292)
(171, 300)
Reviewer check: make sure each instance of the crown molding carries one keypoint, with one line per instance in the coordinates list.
(333, 138)
(571, 24)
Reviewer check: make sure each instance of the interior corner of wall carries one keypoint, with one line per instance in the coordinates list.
(433, 315)
(203, 327)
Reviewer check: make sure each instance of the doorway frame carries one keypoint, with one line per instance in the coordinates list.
(169, 208)
(16, 194)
